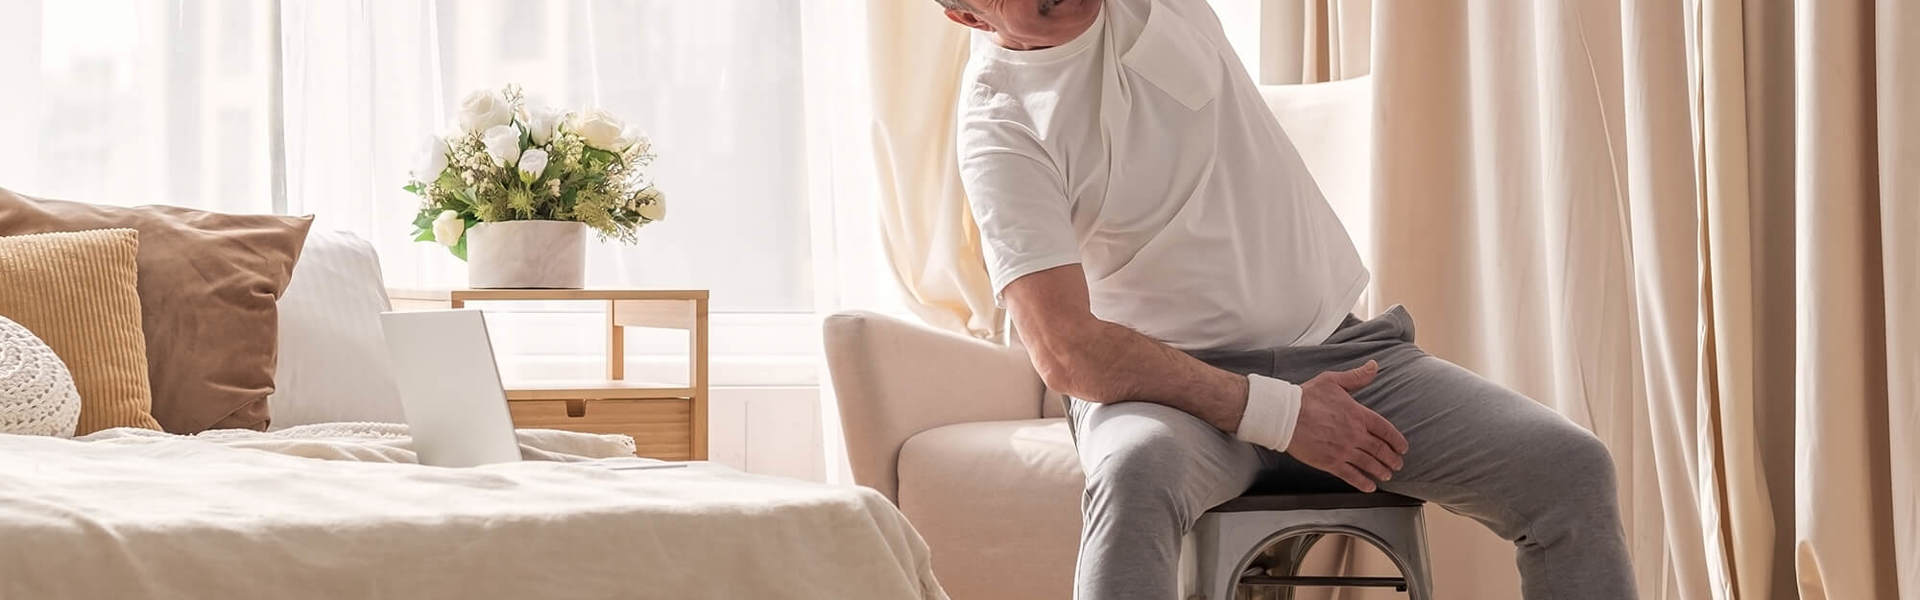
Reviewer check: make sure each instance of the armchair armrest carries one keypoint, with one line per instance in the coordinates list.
(894, 379)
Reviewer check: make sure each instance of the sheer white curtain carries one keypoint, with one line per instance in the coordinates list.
(362, 86)
(131, 102)
(717, 84)
(854, 265)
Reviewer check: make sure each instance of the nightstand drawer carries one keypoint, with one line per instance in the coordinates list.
(661, 428)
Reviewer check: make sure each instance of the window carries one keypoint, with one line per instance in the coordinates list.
(140, 102)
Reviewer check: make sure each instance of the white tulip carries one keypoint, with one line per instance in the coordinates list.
(600, 129)
(542, 122)
(447, 228)
(433, 159)
(653, 205)
(532, 164)
(503, 144)
(483, 109)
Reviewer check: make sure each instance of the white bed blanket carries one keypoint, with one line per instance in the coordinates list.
(338, 511)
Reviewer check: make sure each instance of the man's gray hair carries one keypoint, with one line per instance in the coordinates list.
(955, 5)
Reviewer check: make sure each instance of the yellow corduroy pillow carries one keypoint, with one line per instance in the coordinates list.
(76, 291)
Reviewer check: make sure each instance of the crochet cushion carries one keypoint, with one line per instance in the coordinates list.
(37, 396)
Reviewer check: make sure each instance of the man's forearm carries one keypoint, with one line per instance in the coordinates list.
(1125, 366)
(1095, 360)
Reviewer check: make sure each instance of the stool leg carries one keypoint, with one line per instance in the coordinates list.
(1419, 574)
(1406, 541)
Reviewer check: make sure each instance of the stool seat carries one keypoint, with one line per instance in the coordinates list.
(1315, 501)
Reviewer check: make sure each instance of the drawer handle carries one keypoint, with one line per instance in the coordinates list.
(576, 408)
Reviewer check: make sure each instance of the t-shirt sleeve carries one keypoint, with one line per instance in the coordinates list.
(1019, 199)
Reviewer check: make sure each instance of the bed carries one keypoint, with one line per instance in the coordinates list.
(341, 511)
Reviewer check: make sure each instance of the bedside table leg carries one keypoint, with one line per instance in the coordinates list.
(698, 378)
(616, 344)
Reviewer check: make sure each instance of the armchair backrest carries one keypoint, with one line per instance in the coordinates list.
(893, 380)
(1331, 124)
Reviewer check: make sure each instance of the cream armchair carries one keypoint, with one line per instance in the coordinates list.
(964, 437)
(957, 433)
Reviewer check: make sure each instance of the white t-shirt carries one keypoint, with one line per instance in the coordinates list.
(1143, 151)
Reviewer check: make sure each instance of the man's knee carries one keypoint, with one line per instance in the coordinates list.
(1156, 477)
(1139, 468)
(1583, 464)
(1576, 477)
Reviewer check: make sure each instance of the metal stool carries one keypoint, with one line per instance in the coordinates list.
(1256, 542)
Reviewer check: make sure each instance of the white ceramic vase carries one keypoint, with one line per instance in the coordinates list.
(527, 254)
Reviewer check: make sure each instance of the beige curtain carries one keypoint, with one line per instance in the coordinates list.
(1312, 41)
(932, 243)
(1690, 227)
(1897, 104)
(1845, 138)
(1532, 209)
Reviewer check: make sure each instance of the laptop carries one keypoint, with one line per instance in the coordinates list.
(451, 393)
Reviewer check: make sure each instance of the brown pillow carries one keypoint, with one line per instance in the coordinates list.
(208, 287)
(76, 292)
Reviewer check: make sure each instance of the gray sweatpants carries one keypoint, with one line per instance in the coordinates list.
(1476, 448)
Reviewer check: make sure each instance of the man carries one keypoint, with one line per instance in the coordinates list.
(1172, 267)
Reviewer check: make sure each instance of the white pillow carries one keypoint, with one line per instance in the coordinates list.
(37, 396)
(333, 361)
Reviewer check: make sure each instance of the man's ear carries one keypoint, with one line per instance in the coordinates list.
(969, 19)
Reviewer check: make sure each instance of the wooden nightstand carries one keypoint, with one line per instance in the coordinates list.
(666, 421)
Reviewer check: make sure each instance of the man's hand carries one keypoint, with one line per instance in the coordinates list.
(1337, 435)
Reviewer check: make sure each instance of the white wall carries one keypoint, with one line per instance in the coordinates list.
(767, 430)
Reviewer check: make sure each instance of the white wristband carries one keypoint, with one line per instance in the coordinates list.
(1273, 408)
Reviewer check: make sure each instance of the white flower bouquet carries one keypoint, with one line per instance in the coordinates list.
(509, 161)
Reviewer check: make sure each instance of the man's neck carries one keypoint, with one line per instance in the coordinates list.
(1003, 41)
(1015, 45)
